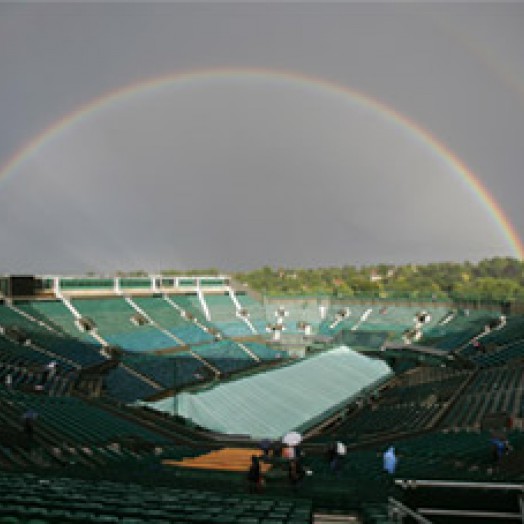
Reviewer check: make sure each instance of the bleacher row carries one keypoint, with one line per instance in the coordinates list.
(409, 404)
(177, 320)
(61, 500)
(493, 390)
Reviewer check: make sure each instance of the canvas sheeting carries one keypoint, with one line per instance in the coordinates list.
(272, 403)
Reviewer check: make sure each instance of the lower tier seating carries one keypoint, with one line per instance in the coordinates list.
(26, 497)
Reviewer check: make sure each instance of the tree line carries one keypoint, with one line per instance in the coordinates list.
(495, 279)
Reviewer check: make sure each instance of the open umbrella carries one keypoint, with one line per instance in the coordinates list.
(292, 438)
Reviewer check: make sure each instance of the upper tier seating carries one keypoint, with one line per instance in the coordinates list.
(170, 318)
(71, 349)
(362, 340)
(334, 322)
(390, 318)
(223, 315)
(459, 331)
(256, 310)
(191, 304)
(264, 352)
(498, 346)
(55, 314)
(112, 317)
(297, 312)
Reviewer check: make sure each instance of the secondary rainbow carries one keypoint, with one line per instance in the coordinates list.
(414, 130)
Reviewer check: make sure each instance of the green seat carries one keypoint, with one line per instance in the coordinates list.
(197, 517)
(107, 519)
(220, 519)
(81, 516)
(9, 520)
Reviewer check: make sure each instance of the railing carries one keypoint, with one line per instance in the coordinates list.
(420, 483)
(397, 511)
(468, 514)
(115, 284)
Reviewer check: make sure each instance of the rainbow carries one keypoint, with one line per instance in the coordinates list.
(420, 135)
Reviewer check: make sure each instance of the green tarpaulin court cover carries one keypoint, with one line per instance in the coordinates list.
(270, 404)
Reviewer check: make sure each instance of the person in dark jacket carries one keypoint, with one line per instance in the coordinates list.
(254, 475)
(501, 447)
(335, 455)
(296, 473)
(28, 420)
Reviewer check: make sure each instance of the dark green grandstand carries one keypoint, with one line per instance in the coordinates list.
(83, 360)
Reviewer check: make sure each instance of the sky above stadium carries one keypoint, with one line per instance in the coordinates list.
(237, 135)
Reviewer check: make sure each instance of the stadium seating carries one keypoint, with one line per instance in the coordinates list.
(437, 418)
(192, 334)
(58, 345)
(493, 390)
(112, 317)
(168, 317)
(256, 310)
(264, 352)
(409, 404)
(459, 331)
(27, 498)
(174, 371)
(362, 340)
(226, 355)
(342, 316)
(499, 345)
(14, 353)
(55, 314)
(124, 385)
(69, 349)
(195, 328)
(191, 304)
(70, 420)
(296, 312)
(223, 315)
(24, 375)
(389, 318)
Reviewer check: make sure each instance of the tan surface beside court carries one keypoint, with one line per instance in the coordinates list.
(226, 459)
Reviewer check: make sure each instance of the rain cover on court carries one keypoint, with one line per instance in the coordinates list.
(272, 403)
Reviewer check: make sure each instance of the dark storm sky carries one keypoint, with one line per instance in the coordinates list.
(239, 172)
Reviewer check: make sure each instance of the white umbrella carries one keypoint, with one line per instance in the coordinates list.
(293, 438)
